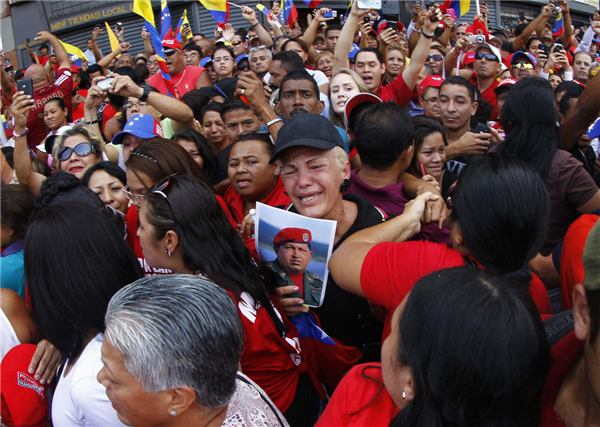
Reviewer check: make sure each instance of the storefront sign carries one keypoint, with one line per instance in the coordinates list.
(102, 14)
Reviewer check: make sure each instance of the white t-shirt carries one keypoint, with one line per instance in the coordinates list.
(8, 335)
(79, 399)
(319, 76)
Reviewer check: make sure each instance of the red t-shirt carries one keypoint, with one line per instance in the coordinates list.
(565, 355)
(390, 270)
(107, 114)
(132, 222)
(397, 92)
(271, 361)
(360, 401)
(489, 95)
(62, 88)
(184, 81)
(277, 197)
(43, 59)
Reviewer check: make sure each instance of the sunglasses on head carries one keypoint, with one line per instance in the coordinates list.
(487, 56)
(523, 65)
(434, 57)
(82, 149)
(169, 52)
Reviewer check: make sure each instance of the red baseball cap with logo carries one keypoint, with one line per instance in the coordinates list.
(430, 81)
(505, 83)
(469, 58)
(24, 400)
(169, 43)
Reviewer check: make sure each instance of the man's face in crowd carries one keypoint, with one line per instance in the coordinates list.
(372, 40)
(456, 106)
(239, 47)
(293, 257)
(89, 44)
(430, 101)
(191, 57)
(331, 40)
(125, 61)
(368, 67)
(260, 63)
(461, 31)
(239, 121)
(485, 67)
(196, 39)
(298, 97)
(207, 47)
(277, 73)
(521, 73)
(581, 67)
(44, 51)
(320, 44)
(436, 60)
(174, 62)
(500, 99)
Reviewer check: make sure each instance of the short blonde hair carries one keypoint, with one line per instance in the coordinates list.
(86, 131)
(341, 157)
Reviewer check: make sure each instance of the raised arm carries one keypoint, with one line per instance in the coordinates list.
(448, 31)
(148, 48)
(536, 25)
(59, 50)
(311, 31)
(263, 35)
(252, 88)
(22, 104)
(419, 20)
(32, 55)
(566, 13)
(8, 88)
(344, 44)
(95, 49)
(105, 61)
(586, 112)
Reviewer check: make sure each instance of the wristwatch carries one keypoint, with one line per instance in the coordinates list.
(147, 89)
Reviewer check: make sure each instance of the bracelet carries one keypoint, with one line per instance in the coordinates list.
(25, 133)
(255, 24)
(93, 122)
(427, 36)
(272, 122)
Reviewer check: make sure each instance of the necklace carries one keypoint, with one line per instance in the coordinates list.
(181, 78)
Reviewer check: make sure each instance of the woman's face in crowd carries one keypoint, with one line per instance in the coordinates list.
(192, 149)
(223, 63)
(213, 127)
(313, 179)
(109, 189)
(138, 183)
(342, 88)
(325, 64)
(134, 406)
(395, 64)
(75, 164)
(154, 250)
(505, 74)
(395, 376)
(554, 80)
(295, 47)
(430, 102)
(432, 155)
(54, 116)
(249, 170)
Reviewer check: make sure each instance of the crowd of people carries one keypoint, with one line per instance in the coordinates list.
(458, 161)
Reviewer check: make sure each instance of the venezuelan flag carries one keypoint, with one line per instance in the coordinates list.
(143, 8)
(183, 20)
(559, 25)
(289, 13)
(263, 9)
(219, 9)
(165, 20)
(75, 54)
(313, 3)
(460, 7)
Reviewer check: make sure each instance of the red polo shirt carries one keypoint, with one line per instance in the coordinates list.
(489, 95)
(397, 92)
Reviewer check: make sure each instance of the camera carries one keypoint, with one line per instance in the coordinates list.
(105, 84)
(330, 14)
(477, 39)
(118, 26)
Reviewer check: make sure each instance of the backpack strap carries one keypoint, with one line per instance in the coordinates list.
(559, 326)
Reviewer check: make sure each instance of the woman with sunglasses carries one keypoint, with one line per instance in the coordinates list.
(149, 162)
(223, 60)
(183, 229)
(74, 151)
(503, 190)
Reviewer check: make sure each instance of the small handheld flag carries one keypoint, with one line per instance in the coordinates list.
(112, 38)
(219, 9)
(263, 9)
(182, 21)
(559, 25)
(289, 13)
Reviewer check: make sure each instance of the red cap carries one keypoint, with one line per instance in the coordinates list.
(469, 58)
(172, 44)
(383, 22)
(358, 99)
(24, 401)
(430, 81)
(294, 235)
(505, 82)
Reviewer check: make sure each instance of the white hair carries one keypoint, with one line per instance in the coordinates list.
(178, 330)
(341, 158)
(259, 48)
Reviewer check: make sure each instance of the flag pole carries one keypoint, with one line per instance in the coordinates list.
(233, 4)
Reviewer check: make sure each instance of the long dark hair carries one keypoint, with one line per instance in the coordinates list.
(210, 166)
(16, 204)
(75, 261)
(485, 356)
(501, 206)
(109, 167)
(210, 244)
(529, 116)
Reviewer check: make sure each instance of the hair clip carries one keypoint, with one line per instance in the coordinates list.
(143, 155)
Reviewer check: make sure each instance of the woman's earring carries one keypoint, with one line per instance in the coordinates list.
(345, 185)
(173, 413)
(167, 252)
(403, 395)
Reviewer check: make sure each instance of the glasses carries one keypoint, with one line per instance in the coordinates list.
(169, 52)
(432, 101)
(236, 43)
(82, 149)
(487, 56)
(243, 67)
(225, 59)
(436, 58)
(152, 63)
(134, 198)
(135, 104)
(524, 65)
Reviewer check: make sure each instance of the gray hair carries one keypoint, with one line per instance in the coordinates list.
(178, 330)
(259, 48)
